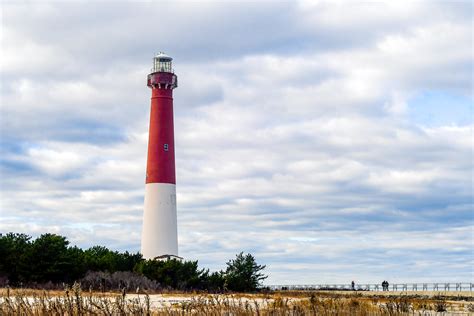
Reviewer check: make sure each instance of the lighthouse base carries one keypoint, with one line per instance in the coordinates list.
(160, 231)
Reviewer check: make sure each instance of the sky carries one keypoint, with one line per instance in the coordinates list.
(333, 140)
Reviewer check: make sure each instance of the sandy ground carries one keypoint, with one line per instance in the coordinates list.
(166, 300)
(459, 302)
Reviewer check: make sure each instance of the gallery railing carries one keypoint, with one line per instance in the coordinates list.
(437, 287)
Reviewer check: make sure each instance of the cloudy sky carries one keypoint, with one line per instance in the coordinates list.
(332, 140)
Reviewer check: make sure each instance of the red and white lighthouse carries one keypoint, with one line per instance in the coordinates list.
(160, 228)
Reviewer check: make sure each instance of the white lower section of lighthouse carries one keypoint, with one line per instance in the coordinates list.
(160, 232)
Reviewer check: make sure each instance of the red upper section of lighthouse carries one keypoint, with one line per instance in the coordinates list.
(161, 161)
(164, 80)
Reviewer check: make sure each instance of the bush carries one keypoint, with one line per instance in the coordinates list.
(173, 273)
(105, 281)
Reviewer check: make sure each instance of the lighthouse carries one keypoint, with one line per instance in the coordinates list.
(160, 228)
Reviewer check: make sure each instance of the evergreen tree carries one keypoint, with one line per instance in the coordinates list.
(13, 256)
(243, 274)
(49, 260)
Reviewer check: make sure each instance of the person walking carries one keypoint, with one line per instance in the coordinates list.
(353, 285)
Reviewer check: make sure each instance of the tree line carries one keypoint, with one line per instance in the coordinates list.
(49, 259)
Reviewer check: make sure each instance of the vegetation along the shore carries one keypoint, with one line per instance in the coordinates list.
(50, 262)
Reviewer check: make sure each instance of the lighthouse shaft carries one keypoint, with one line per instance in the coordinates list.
(160, 233)
(160, 162)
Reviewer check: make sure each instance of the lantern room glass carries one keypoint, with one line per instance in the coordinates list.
(162, 65)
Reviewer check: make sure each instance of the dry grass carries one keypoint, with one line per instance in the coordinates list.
(76, 302)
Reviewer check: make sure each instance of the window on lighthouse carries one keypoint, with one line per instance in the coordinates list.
(165, 147)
